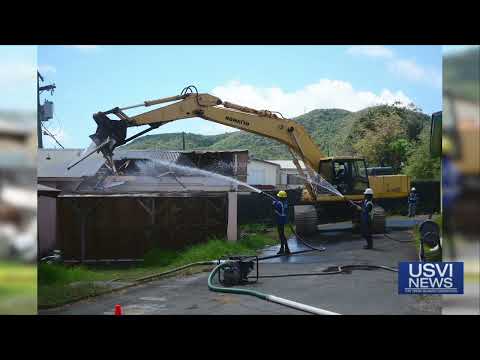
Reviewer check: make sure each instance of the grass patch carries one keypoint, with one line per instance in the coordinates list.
(55, 281)
(429, 256)
(59, 274)
(18, 289)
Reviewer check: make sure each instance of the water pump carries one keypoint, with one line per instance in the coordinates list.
(236, 270)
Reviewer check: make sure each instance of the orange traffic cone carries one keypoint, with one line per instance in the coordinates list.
(118, 310)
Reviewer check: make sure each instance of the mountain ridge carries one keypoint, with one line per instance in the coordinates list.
(335, 131)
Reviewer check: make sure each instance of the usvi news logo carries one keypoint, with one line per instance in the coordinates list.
(430, 278)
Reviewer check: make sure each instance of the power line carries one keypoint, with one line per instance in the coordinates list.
(52, 136)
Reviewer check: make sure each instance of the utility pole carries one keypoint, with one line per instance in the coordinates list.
(40, 113)
(183, 140)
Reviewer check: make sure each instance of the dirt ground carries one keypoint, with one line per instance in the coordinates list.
(358, 292)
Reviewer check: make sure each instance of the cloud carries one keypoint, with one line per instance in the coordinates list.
(405, 68)
(323, 94)
(378, 51)
(44, 69)
(414, 72)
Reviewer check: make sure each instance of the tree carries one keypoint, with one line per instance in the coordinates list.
(420, 165)
(383, 141)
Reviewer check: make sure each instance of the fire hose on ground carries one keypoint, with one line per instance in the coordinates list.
(262, 296)
(221, 264)
(282, 301)
(243, 275)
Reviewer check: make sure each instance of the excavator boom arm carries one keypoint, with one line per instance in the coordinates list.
(208, 107)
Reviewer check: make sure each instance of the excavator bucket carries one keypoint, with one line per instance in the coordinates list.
(109, 134)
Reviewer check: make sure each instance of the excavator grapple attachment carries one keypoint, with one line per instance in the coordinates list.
(115, 130)
(109, 135)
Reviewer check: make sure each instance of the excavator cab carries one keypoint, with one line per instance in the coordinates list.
(348, 175)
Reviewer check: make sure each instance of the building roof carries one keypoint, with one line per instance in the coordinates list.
(263, 161)
(44, 188)
(53, 163)
(170, 156)
(148, 184)
(287, 164)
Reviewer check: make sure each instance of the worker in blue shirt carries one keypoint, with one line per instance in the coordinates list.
(366, 210)
(412, 202)
(281, 211)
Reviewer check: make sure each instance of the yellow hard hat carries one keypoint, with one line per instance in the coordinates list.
(282, 194)
(447, 146)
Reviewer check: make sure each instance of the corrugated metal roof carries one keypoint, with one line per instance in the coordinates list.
(166, 183)
(44, 188)
(53, 163)
(264, 161)
(287, 164)
(170, 156)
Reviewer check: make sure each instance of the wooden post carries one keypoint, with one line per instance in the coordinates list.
(232, 224)
(84, 212)
(83, 231)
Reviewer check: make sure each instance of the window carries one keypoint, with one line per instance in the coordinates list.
(360, 169)
(326, 170)
(350, 176)
(293, 179)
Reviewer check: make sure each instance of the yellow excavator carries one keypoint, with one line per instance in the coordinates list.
(347, 174)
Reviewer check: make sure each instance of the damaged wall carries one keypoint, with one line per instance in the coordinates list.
(188, 207)
(126, 227)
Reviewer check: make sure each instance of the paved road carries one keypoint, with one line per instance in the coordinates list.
(359, 292)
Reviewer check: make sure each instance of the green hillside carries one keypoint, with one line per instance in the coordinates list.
(320, 124)
(173, 141)
(383, 135)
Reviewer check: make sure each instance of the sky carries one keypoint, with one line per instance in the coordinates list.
(289, 79)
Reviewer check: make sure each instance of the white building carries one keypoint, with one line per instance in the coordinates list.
(263, 174)
(280, 174)
(289, 176)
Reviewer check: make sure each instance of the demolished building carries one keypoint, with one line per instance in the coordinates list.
(158, 200)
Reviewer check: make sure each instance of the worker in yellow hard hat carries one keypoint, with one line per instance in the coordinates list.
(281, 211)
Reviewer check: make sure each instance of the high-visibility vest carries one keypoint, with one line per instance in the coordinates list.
(282, 214)
(367, 214)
